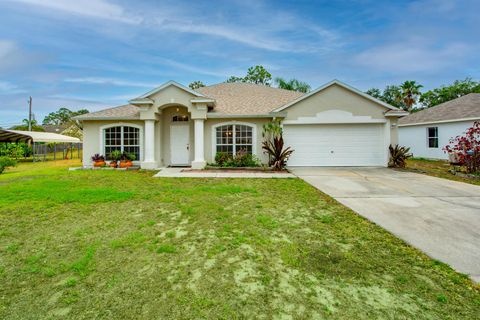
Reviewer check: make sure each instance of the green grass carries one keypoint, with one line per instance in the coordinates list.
(437, 168)
(123, 245)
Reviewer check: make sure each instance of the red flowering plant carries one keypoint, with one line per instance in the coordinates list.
(466, 148)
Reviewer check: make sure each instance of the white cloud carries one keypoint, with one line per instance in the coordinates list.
(267, 32)
(88, 8)
(406, 57)
(6, 48)
(110, 81)
(9, 88)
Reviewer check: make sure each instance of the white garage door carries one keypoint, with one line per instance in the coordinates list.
(336, 145)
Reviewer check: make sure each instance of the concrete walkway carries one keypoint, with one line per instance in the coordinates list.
(439, 216)
(184, 173)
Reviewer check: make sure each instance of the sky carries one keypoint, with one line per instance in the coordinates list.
(95, 54)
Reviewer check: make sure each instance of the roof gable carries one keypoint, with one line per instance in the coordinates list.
(341, 84)
(147, 95)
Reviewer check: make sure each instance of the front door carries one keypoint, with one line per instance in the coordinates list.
(180, 145)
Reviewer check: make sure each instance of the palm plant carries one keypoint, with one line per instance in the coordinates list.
(409, 94)
(398, 156)
(292, 84)
(273, 145)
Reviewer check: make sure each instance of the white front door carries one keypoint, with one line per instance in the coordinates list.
(336, 145)
(180, 145)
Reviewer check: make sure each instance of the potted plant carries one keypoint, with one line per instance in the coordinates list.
(126, 160)
(98, 160)
(115, 156)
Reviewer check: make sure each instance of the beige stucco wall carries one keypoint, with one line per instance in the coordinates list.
(393, 130)
(256, 122)
(335, 97)
(339, 98)
(92, 135)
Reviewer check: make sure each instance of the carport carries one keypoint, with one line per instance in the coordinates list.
(43, 142)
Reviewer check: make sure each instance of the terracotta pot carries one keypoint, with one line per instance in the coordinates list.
(113, 164)
(99, 163)
(126, 164)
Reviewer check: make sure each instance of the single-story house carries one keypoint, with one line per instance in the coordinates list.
(427, 132)
(173, 125)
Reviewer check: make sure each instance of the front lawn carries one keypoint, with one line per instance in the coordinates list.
(123, 245)
(437, 168)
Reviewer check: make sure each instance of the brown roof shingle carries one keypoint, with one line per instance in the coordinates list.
(230, 99)
(127, 111)
(247, 98)
(467, 106)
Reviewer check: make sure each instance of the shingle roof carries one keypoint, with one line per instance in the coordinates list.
(127, 111)
(465, 107)
(247, 98)
(230, 99)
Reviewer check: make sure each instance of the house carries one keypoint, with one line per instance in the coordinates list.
(427, 132)
(54, 128)
(173, 125)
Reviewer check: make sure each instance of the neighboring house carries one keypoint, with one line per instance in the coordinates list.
(427, 132)
(54, 128)
(173, 125)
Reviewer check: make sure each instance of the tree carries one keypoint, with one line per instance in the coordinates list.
(389, 95)
(233, 79)
(375, 92)
(24, 126)
(62, 117)
(446, 93)
(465, 149)
(257, 75)
(292, 84)
(409, 94)
(196, 84)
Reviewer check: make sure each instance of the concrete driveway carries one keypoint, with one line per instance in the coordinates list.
(440, 217)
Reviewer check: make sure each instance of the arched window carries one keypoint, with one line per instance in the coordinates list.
(123, 138)
(231, 138)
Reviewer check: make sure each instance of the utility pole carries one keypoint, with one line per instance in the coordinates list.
(30, 114)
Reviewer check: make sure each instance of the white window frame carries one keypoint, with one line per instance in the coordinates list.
(233, 123)
(121, 124)
(434, 137)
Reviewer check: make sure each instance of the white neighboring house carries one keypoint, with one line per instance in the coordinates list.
(428, 131)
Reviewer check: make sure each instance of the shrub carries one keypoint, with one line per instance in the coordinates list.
(273, 145)
(398, 156)
(222, 157)
(15, 151)
(241, 159)
(6, 162)
(245, 159)
(97, 157)
(115, 155)
(466, 149)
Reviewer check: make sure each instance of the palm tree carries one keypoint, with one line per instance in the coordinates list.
(409, 94)
(292, 84)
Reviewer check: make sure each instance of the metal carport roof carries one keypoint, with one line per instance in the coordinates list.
(35, 136)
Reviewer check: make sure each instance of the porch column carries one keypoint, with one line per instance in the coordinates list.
(149, 147)
(199, 162)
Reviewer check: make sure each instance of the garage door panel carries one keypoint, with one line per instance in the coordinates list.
(336, 145)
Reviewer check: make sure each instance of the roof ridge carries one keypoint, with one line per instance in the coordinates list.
(250, 84)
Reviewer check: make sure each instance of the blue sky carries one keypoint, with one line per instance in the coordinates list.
(98, 53)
